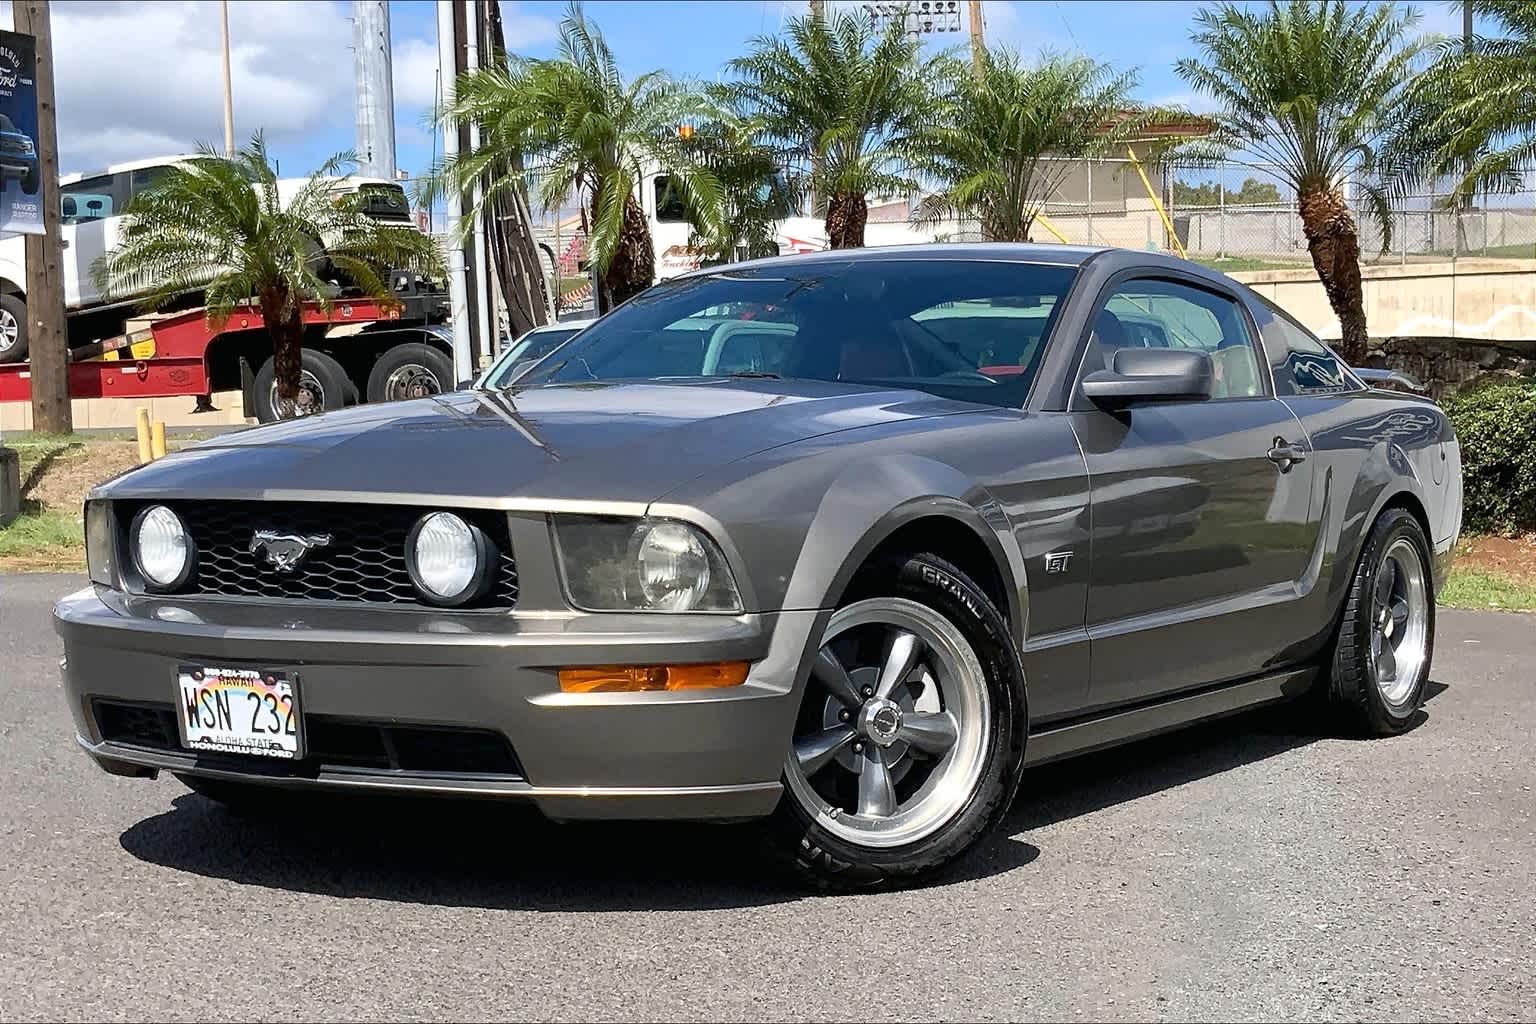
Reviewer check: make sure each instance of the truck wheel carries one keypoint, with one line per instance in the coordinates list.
(323, 386)
(29, 182)
(13, 329)
(412, 370)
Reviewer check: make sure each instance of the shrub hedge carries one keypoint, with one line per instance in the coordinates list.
(1495, 422)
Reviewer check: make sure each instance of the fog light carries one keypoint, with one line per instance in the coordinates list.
(637, 678)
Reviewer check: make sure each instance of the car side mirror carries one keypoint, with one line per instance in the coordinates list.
(1151, 375)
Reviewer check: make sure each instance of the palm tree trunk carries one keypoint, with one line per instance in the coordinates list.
(633, 266)
(1335, 247)
(285, 326)
(846, 214)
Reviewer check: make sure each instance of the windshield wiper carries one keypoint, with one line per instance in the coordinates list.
(754, 375)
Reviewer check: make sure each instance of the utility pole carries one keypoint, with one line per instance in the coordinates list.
(46, 335)
(978, 44)
(371, 62)
(458, 291)
(229, 89)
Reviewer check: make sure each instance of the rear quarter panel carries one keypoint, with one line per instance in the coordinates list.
(1373, 447)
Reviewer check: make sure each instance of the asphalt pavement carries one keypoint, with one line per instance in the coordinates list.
(1253, 868)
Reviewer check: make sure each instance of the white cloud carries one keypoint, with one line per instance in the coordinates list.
(520, 28)
(147, 78)
(1194, 102)
(415, 67)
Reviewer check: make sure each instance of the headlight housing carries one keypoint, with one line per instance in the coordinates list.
(662, 565)
(450, 559)
(100, 562)
(163, 551)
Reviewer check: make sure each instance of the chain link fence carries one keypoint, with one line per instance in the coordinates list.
(1240, 216)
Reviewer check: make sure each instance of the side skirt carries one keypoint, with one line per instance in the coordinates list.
(1115, 727)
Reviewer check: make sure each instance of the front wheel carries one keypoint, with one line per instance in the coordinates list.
(13, 329)
(910, 737)
(1387, 634)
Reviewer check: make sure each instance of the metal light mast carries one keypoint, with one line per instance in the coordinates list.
(375, 89)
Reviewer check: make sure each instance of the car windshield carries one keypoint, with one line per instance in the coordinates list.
(971, 330)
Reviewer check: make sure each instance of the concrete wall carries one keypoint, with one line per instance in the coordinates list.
(121, 413)
(1488, 300)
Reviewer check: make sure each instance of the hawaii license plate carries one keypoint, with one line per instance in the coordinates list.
(238, 711)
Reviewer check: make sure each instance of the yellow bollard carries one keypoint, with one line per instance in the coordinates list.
(157, 439)
(146, 454)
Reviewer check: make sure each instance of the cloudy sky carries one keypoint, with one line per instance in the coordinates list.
(143, 78)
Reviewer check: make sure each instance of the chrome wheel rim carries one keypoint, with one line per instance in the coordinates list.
(411, 381)
(311, 398)
(1399, 622)
(894, 732)
(8, 330)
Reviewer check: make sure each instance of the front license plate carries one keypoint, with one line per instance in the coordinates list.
(238, 711)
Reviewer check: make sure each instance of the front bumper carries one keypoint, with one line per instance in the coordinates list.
(685, 754)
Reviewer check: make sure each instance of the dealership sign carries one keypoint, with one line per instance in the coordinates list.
(21, 208)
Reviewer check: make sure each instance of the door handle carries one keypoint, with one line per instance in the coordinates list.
(63, 243)
(1286, 455)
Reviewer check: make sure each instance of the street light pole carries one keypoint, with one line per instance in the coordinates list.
(229, 92)
(46, 334)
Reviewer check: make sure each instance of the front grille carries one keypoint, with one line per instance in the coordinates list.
(365, 560)
(330, 743)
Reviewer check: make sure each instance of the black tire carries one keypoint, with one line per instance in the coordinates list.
(13, 309)
(428, 367)
(29, 182)
(830, 862)
(1358, 703)
(321, 372)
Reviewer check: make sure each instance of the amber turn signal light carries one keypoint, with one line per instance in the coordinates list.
(636, 678)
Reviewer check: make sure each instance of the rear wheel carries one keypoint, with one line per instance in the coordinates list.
(29, 182)
(410, 371)
(1387, 634)
(910, 737)
(323, 386)
(13, 329)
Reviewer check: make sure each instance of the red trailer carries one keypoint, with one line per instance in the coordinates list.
(361, 349)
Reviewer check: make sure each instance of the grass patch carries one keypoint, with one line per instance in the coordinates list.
(1481, 588)
(43, 540)
(1231, 264)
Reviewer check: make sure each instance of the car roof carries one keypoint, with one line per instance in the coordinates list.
(1011, 252)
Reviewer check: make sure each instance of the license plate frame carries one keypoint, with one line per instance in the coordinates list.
(223, 696)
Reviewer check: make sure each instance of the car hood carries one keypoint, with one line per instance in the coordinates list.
(621, 442)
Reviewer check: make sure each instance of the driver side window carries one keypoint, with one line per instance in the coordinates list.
(1167, 314)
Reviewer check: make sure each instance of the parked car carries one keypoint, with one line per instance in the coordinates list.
(844, 541)
(18, 157)
(526, 350)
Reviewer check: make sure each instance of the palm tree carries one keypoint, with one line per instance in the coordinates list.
(1311, 88)
(1472, 114)
(221, 226)
(580, 126)
(847, 109)
(991, 150)
(755, 193)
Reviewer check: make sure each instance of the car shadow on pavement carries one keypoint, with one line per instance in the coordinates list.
(489, 855)
(1081, 785)
(501, 856)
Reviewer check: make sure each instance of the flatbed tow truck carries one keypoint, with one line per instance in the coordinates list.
(359, 350)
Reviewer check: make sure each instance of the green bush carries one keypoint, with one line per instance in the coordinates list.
(1496, 424)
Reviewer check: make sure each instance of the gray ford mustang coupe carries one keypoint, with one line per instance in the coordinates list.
(844, 542)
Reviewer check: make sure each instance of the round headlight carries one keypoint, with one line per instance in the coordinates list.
(672, 564)
(449, 559)
(162, 548)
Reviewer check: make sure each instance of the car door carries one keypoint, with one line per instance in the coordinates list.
(1201, 531)
(89, 215)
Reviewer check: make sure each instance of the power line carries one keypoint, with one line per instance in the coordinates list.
(1066, 24)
